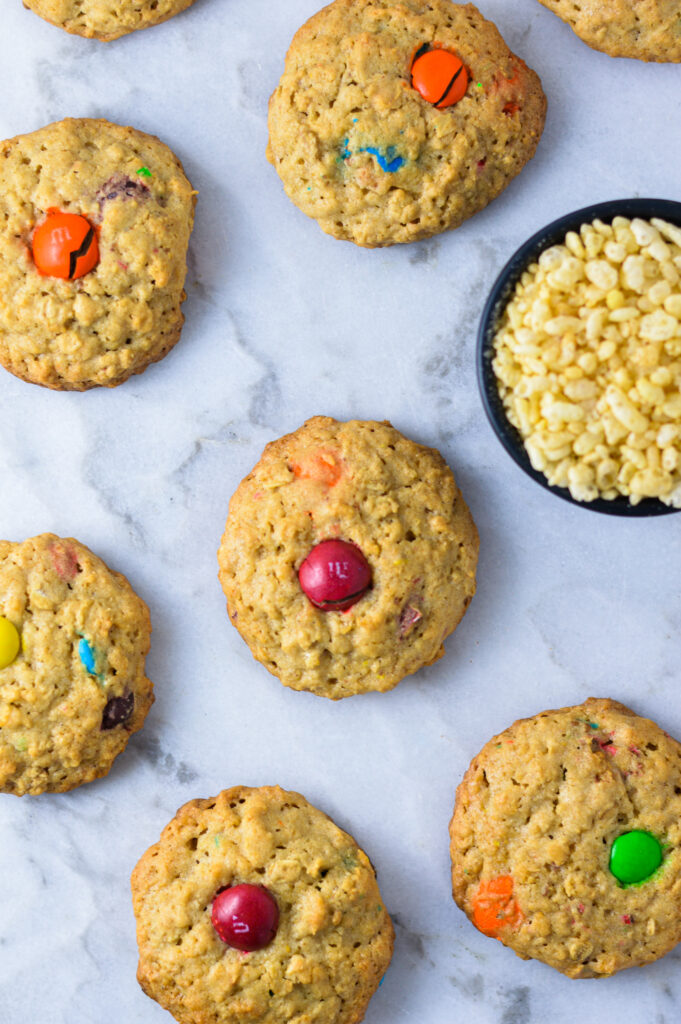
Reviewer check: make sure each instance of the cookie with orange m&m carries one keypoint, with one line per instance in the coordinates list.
(95, 221)
(101, 19)
(566, 839)
(348, 557)
(397, 129)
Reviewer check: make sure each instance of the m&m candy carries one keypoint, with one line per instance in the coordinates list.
(245, 917)
(439, 76)
(87, 657)
(635, 856)
(65, 245)
(117, 711)
(335, 575)
(494, 908)
(10, 642)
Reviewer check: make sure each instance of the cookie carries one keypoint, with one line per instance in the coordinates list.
(73, 639)
(644, 29)
(377, 604)
(95, 222)
(100, 19)
(566, 839)
(397, 119)
(255, 907)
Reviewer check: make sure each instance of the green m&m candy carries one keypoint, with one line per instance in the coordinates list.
(635, 856)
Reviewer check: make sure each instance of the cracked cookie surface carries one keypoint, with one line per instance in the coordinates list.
(364, 483)
(76, 690)
(535, 820)
(363, 153)
(123, 315)
(647, 30)
(334, 938)
(104, 20)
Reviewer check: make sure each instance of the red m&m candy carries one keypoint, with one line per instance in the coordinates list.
(245, 917)
(335, 575)
(439, 76)
(65, 245)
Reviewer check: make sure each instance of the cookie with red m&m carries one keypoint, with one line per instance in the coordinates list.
(73, 639)
(100, 19)
(397, 119)
(348, 557)
(566, 839)
(254, 906)
(94, 227)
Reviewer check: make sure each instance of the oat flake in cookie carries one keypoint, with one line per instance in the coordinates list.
(565, 839)
(102, 19)
(348, 557)
(95, 222)
(325, 939)
(644, 29)
(397, 119)
(73, 639)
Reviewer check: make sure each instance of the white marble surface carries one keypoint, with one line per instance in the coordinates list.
(282, 323)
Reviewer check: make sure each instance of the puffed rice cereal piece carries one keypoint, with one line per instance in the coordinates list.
(588, 361)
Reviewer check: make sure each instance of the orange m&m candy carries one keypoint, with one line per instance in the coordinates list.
(494, 907)
(65, 245)
(324, 467)
(439, 76)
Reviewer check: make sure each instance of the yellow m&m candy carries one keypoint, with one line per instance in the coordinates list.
(10, 642)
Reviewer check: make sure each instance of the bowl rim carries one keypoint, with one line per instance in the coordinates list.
(499, 296)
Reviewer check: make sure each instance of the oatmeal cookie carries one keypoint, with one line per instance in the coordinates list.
(73, 639)
(102, 19)
(397, 119)
(95, 222)
(397, 578)
(566, 839)
(644, 29)
(328, 938)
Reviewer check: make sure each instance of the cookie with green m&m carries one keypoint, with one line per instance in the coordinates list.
(566, 839)
(73, 639)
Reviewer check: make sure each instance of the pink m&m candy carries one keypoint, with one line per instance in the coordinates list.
(245, 916)
(335, 575)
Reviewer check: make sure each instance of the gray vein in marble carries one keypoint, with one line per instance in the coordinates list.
(517, 1010)
(163, 761)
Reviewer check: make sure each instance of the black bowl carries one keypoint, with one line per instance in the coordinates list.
(502, 291)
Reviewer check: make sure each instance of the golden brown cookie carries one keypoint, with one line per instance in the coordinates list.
(566, 839)
(95, 222)
(102, 19)
(643, 29)
(325, 950)
(405, 534)
(397, 119)
(73, 639)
